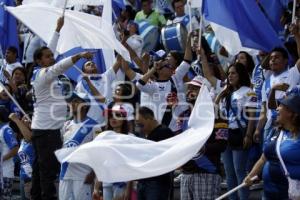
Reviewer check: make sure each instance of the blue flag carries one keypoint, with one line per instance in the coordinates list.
(273, 10)
(245, 18)
(8, 27)
(73, 73)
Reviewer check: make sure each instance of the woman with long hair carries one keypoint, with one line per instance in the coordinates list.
(119, 117)
(235, 101)
(246, 59)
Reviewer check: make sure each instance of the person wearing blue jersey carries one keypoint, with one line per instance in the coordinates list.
(9, 149)
(275, 182)
(75, 179)
(25, 154)
(237, 103)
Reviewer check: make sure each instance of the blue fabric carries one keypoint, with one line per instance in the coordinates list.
(26, 155)
(275, 182)
(235, 162)
(9, 137)
(98, 59)
(246, 18)
(8, 27)
(204, 163)
(273, 10)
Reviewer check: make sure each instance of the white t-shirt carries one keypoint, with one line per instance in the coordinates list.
(50, 108)
(294, 77)
(10, 67)
(267, 86)
(240, 99)
(8, 141)
(104, 84)
(76, 134)
(157, 91)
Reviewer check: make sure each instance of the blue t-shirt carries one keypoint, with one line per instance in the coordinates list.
(275, 182)
(26, 155)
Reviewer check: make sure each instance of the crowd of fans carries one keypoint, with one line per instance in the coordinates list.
(256, 96)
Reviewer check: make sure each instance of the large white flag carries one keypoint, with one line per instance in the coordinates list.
(79, 30)
(116, 157)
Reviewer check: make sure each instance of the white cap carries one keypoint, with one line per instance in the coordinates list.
(197, 81)
(125, 108)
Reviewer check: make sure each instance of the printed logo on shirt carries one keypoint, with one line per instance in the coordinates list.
(72, 143)
(24, 157)
(161, 88)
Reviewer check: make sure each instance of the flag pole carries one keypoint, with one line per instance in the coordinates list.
(3, 66)
(15, 101)
(294, 11)
(64, 9)
(235, 189)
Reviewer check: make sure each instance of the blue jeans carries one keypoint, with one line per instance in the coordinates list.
(153, 190)
(111, 191)
(235, 163)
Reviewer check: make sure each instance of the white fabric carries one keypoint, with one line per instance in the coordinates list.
(136, 43)
(74, 190)
(10, 67)
(281, 78)
(71, 3)
(120, 158)
(50, 108)
(79, 30)
(294, 77)
(230, 40)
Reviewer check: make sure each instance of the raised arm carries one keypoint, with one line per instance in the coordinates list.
(25, 131)
(97, 95)
(52, 44)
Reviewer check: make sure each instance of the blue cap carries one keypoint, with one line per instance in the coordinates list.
(292, 102)
(158, 55)
(78, 95)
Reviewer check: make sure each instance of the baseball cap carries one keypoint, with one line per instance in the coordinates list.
(158, 55)
(124, 108)
(197, 81)
(292, 102)
(78, 95)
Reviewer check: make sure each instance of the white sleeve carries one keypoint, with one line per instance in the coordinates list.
(181, 71)
(148, 88)
(51, 73)
(53, 42)
(294, 77)
(110, 75)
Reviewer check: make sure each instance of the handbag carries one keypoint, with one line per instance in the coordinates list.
(294, 185)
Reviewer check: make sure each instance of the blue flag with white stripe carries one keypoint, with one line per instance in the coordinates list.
(244, 18)
(73, 73)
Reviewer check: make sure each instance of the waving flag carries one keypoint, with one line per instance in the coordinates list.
(73, 73)
(240, 24)
(114, 156)
(8, 27)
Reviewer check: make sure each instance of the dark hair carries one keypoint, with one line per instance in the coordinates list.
(20, 69)
(175, 1)
(146, 112)
(244, 80)
(281, 50)
(126, 91)
(4, 112)
(296, 122)
(39, 53)
(142, 1)
(13, 49)
(125, 124)
(177, 56)
(250, 63)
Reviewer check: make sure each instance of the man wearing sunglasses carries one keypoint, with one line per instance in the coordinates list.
(165, 94)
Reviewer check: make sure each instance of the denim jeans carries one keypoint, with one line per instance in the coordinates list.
(45, 165)
(153, 190)
(111, 191)
(235, 162)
